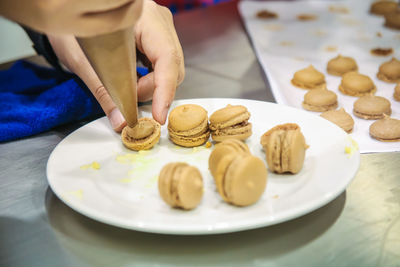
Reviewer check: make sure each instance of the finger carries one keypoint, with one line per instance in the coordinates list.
(165, 80)
(145, 87)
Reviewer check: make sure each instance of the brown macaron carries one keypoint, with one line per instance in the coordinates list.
(386, 130)
(341, 118)
(285, 148)
(371, 107)
(396, 93)
(340, 65)
(143, 136)
(227, 146)
(389, 71)
(188, 125)
(356, 84)
(309, 78)
(230, 122)
(241, 178)
(392, 20)
(180, 185)
(383, 7)
(320, 100)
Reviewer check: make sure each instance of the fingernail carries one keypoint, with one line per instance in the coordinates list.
(116, 119)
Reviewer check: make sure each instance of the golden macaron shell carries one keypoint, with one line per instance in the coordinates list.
(386, 130)
(392, 20)
(340, 65)
(230, 122)
(222, 149)
(371, 107)
(341, 118)
(356, 84)
(396, 94)
(188, 125)
(285, 148)
(143, 136)
(320, 100)
(389, 71)
(309, 78)
(180, 185)
(383, 7)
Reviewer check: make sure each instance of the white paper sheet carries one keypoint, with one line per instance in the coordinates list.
(285, 45)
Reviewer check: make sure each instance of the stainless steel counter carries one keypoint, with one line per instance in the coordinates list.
(359, 228)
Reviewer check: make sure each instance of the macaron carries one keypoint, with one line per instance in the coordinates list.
(188, 125)
(227, 146)
(144, 135)
(230, 122)
(285, 148)
(383, 7)
(340, 65)
(320, 100)
(392, 20)
(396, 94)
(309, 78)
(386, 130)
(180, 185)
(356, 84)
(390, 71)
(341, 118)
(371, 107)
(241, 178)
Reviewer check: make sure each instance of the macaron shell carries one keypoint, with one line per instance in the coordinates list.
(245, 180)
(231, 121)
(309, 78)
(392, 20)
(386, 130)
(340, 65)
(320, 100)
(396, 94)
(189, 188)
(390, 71)
(383, 7)
(145, 143)
(189, 141)
(356, 84)
(296, 151)
(199, 129)
(341, 118)
(273, 151)
(228, 113)
(186, 117)
(220, 172)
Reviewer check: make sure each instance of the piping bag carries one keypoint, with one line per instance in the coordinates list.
(113, 58)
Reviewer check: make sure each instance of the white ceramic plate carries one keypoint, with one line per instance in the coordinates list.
(123, 192)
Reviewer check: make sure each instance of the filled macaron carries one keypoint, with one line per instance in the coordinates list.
(230, 122)
(227, 146)
(341, 118)
(390, 71)
(386, 130)
(371, 107)
(144, 135)
(241, 178)
(320, 100)
(285, 148)
(309, 78)
(180, 185)
(188, 125)
(356, 84)
(340, 65)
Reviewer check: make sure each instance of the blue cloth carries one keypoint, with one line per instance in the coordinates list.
(35, 99)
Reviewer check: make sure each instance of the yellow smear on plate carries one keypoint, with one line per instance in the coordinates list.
(353, 147)
(76, 193)
(125, 180)
(94, 165)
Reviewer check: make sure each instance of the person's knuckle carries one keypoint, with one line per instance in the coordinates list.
(101, 94)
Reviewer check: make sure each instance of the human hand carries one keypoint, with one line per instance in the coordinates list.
(156, 38)
(77, 17)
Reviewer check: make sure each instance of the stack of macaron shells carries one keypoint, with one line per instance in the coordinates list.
(144, 135)
(180, 185)
(188, 125)
(371, 107)
(229, 122)
(239, 176)
(285, 148)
